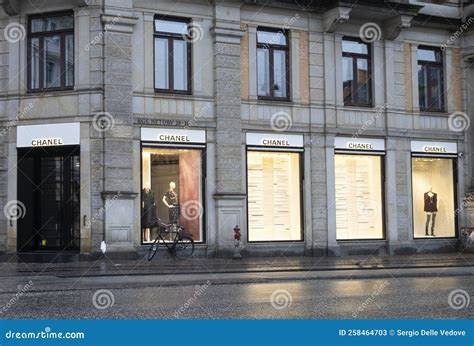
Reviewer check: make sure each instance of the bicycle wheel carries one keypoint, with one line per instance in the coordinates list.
(153, 248)
(184, 247)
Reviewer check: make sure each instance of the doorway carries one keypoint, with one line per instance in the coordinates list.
(49, 188)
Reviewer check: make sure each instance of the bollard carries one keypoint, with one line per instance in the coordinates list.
(237, 254)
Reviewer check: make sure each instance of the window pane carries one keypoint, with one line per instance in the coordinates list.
(161, 63)
(429, 55)
(354, 47)
(52, 23)
(435, 88)
(348, 79)
(52, 62)
(172, 189)
(269, 37)
(433, 197)
(34, 63)
(69, 59)
(180, 67)
(274, 196)
(263, 69)
(422, 85)
(358, 197)
(169, 26)
(279, 62)
(363, 80)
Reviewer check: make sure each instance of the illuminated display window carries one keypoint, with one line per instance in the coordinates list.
(433, 185)
(358, 182)
(274, 196)
(172, 189)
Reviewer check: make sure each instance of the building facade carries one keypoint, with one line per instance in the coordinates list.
(318, 128)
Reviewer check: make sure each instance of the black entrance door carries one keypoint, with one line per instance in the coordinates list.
(49, 187)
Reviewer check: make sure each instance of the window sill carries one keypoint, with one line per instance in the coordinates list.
(274, 99)
(171, 93)
(45, 92)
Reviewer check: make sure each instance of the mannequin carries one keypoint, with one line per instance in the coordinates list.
(170, 199)
(148, 211)
(431, 208)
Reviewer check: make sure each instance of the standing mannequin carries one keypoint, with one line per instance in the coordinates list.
(170, 199)
(148, 212)
(431, 208)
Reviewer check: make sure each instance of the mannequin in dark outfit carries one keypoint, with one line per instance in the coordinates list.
(148, 211)
(431, 208)
(170, 199)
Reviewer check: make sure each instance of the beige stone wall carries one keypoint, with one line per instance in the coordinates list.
(408, 78)
(304, 67)
(244, 63)
(455, 91)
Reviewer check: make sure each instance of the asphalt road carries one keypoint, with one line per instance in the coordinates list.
(420, 298)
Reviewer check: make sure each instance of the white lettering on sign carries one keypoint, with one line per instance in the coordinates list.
(276, 142)
(434, 149)
(174, 138)
(361, 146)
(44, 142)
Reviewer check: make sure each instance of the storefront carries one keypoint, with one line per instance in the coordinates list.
(173, 180)
(434, 184)
(359, 188)
(274, 187)
(48, 186)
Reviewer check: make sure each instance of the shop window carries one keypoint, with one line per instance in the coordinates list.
(430, 79)
(172, 56)
(356, 73)
(172, 190)
(272, 64)
(274, 196)
(433, 197)
(51, 52)
(359, 213)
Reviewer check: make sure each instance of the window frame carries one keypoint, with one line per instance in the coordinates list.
(271, 48)
(355, 57)
(429, 65)
(41, 36)
(171, 37)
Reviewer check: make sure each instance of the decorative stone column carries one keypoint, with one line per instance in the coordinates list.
(117, 133)
(229, 192)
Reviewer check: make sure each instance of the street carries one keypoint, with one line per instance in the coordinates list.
(390, 298)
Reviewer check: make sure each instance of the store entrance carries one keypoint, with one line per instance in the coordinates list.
(49, 188)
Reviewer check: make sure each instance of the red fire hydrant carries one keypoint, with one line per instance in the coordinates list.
(237, 236)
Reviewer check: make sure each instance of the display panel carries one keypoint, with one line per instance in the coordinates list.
(274, 196)
(358, 181)
(172, 190)
(433, 197)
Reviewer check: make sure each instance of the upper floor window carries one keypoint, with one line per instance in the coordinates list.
(272, 64)
(430, 79)
(172, 56)
(51, 52)
(356, 73)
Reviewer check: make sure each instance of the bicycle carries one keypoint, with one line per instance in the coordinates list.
(181, 246)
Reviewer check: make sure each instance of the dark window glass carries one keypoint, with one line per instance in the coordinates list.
(356, 73)
(51, 52)
(272, 64)
(172, 56)
(430, 79)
